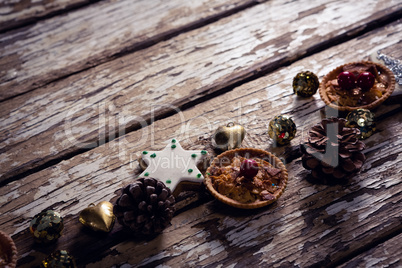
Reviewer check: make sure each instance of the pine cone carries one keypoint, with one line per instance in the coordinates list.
(146, 206)
(333, 151)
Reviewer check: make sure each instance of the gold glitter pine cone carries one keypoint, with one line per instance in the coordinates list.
(333, 152)
(146, 206)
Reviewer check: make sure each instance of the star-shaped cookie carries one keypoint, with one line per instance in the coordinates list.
(173, 165)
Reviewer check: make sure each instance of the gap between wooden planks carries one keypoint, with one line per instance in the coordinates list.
(97, 105)
(311, 224)
(51, 49)
(100, 172)
(18, 13)
(246, 105)
(387, 254)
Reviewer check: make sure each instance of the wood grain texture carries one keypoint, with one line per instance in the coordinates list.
(387, 254)
(59, 46)
(336, 219)
(310, 224)
(87, 109)
(15, 13)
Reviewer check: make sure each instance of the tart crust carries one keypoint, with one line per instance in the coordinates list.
(387, 91)
(8, 251)
(265, 160)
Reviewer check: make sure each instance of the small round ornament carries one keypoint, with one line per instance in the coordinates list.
(282, 129)
(305, 84)
(59, 259)
(362, 119)
(47, 226)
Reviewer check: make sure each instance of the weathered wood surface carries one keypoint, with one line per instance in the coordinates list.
(355, 224)
(18, 12)
(337, 219)
(310, 224)
(86, 109)
(56, 47)
(387, 254)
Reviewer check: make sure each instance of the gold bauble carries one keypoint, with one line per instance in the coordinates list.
(59, 259)
(362, 119)
(282, 129)
(305, 84)
(46, 227)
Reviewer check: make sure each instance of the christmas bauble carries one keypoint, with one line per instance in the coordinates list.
(362, 119)
(59, 259)
(46, 226)
(305, 84)
(282, 129)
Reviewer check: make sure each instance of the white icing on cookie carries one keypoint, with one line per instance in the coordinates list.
(173, 165)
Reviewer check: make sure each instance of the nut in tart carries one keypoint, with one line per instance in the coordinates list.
(356, 85)
(246, 178)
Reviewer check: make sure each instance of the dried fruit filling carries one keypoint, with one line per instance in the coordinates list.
(228, 180)
(357, 96)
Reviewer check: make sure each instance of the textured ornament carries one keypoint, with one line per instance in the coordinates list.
(47, 226)
(146, 206)
(173, 165)
(282, 129)
(59, 259)
(333, 152)
(393, 64)
(305, 84)
(362, 119)
(99, 217)
(228, 137)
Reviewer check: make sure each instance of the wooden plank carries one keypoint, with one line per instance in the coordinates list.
(18, 12)
(387, 254)
(86, 109)
(312, 225)
(65, 44)
(337, 219)
(307, 215)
